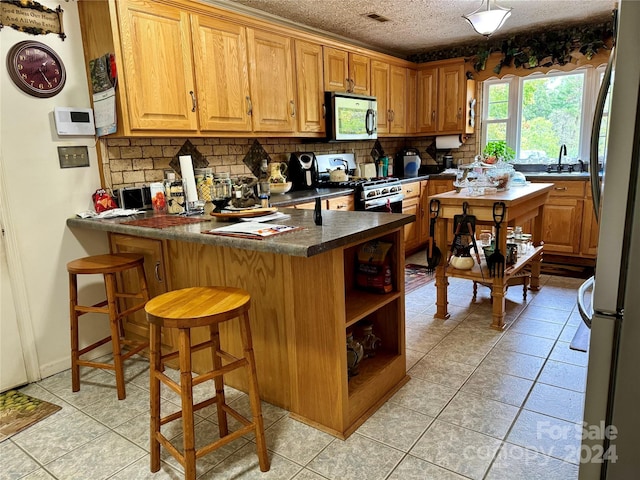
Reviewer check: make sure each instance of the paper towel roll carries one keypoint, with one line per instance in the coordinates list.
(447, 142)
(189, 179)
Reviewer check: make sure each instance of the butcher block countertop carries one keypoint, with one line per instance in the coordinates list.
(339, 228)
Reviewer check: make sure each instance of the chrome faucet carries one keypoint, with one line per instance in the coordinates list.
(563, 149)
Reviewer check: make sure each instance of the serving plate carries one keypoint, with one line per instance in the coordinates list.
(253, 212)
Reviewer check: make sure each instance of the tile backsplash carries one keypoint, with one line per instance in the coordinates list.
(140, 161)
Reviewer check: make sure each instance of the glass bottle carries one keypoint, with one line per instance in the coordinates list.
(370, 343)
(263, 186)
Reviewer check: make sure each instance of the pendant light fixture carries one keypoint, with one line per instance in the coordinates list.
(486, 21)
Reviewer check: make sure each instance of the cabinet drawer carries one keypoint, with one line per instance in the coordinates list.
(411, 190)
(345, 203)
(567, 189)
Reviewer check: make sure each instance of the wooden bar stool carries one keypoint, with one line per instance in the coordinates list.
(186, 309)
(107, 265)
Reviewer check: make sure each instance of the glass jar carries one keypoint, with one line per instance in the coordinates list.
(502, 175)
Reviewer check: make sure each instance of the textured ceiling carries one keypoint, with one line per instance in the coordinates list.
(416, 26)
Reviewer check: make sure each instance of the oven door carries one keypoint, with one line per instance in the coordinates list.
(389, 204)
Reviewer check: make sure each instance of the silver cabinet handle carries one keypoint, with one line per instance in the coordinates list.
(156, 272)
(293, 108)
(560, 188)
(433, 115)
(324, 111)
(249, 106)
(193, 101)
(460, 113)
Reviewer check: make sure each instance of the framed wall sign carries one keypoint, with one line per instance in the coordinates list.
(31, 17)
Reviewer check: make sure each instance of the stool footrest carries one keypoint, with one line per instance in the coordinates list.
(194, 348)
(89, 363)
(196, 407)
(94, 345)
(239, 363)
(224, 440)
(97, 308)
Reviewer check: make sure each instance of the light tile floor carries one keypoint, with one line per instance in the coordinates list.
(480, 404)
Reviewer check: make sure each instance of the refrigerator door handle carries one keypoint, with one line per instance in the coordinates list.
(596, 183)
(585, 312)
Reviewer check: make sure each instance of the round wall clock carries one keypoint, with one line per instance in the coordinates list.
(36, 69)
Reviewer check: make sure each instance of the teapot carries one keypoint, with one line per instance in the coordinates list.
(339, 174)
(277, 171)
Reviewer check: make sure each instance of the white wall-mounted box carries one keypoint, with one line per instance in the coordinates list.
(74, 121)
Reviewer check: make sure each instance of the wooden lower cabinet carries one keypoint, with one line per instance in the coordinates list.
(411, 206)
(301, 309)
(345, 202)
(136, 325)
(569, 227)
(590, 230)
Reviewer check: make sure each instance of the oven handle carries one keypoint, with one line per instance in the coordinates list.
(382, 201)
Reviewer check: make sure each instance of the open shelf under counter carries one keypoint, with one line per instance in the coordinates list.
(476, 274)
(360, 304)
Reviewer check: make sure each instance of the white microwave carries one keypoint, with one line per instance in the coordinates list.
(351, 117)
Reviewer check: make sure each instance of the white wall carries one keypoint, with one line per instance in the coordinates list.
(39, 196)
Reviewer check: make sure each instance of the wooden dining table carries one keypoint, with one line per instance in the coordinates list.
(523, 205)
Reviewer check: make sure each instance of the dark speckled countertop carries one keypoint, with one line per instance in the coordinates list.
(339, 228)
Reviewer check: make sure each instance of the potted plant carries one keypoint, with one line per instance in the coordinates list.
(498, 151)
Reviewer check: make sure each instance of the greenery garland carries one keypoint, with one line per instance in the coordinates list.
(532, 49)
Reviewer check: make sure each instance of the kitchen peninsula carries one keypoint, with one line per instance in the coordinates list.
(304, 301)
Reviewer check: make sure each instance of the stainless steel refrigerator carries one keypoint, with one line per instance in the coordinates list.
(611, 429)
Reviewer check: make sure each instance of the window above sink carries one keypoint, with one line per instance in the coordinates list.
(536, 114)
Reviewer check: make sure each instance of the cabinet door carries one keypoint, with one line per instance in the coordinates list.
(311, 108)
(411, 206)
(336, 69)
(440, 185)
(562, 225)
(398, 99)
(222, 74)
(590, 230)
(412, 91)
(360, 74)
(344, 203)
(451, 98)
(157, 66)
(136, 325)
(271, 82)
(380, 90)
(427, 100)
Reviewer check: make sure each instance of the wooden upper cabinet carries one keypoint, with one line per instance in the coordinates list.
(157, 66)
(451, 98)
(336, 69)
(222, 74)
(380, 90)
(346, 72)
(398, 99)
(427, 100)
(412, 90)
(311, 109)
(360, 74)
(271, 80)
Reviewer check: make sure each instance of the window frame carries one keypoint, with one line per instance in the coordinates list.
(592, 81)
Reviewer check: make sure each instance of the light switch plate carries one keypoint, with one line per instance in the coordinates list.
(71, 157)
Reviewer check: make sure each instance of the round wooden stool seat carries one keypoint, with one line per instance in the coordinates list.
(184, 310)
(118, 305)
(197, 306)
(100, 264)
